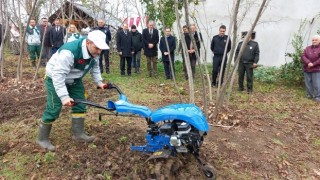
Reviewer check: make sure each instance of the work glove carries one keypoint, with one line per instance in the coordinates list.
(68, 102)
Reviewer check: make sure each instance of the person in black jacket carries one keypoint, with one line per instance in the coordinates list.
(125, 49)
(192, 56)
(150, 41)
(248, 61)
(45, 39)
(137, 43)
(104, 53)
(166, 52)
(197, 36)
(218, 45)
(57, 33)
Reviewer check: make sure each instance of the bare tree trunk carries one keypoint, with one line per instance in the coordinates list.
(22, 41)
(197, 52)
(170, 58)
(205, 62)
(245, 41)
(187, 58)
(185, 53)
(4, 32)
(234, 30)
(42, 45)
(197, 56)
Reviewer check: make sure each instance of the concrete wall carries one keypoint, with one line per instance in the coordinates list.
(274, 32)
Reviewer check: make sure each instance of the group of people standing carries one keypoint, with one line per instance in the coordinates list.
(130, 44)
(220, 46)
(52, 37)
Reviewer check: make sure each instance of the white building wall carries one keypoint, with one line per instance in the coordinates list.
(275, 30)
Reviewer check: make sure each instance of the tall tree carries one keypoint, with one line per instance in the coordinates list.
(4, 29)
(19, 67)
(221, 98)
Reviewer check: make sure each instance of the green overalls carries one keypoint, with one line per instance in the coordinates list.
(76, 89)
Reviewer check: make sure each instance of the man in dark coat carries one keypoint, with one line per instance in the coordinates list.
(137, 43)
(168, 51)
(192, 56)
(151, 39)
(57, 33)
(197, 36)
(125, 49)
(248, 61)
(104, 53)
(45, 39)
(218, 45)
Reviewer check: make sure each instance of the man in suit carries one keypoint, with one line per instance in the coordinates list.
(125, 49)
(150, 37)
(57, 33)
(104, 53)
(45, 39)
(166, 52)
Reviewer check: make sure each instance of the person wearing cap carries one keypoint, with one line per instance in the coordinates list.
(64, 73)
(248, 61)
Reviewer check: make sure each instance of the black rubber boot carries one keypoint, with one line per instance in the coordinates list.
(43, 137)
(78, 131)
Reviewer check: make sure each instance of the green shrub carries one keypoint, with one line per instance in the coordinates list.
(266, 74)
(292, 73)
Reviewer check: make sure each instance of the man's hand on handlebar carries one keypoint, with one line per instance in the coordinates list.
(68, 102)
(105, 86)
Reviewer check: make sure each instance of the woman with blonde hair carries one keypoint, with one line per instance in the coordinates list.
(72, 34)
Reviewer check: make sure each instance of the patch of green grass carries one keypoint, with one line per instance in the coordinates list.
(123, 139)
(279, 116)
(105, 122)
(76, 165)
(92, 146)
(263, 88)
(49, 157)
(317, 142)
(107, 176)
(13, 166)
